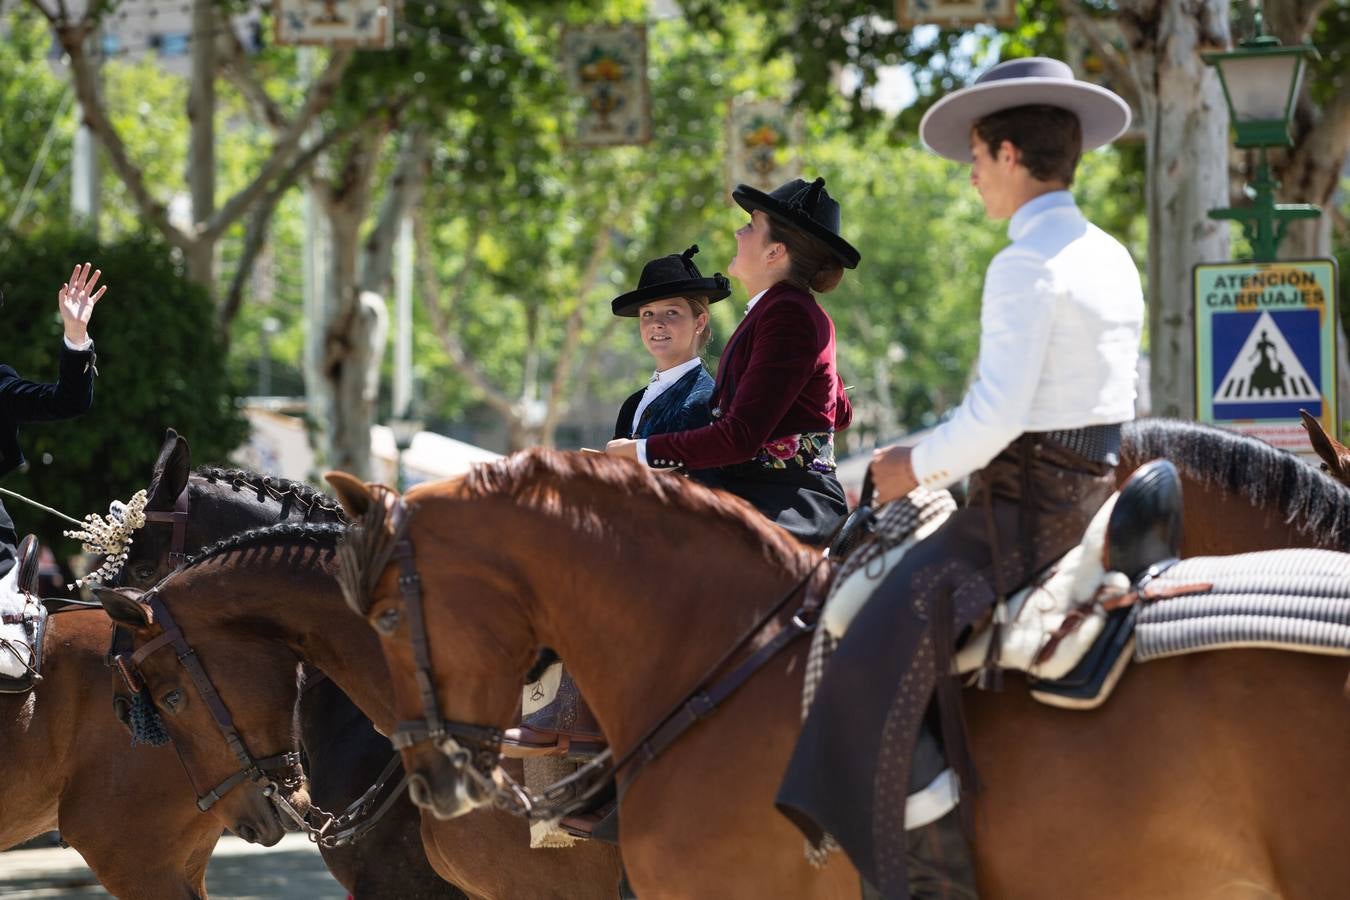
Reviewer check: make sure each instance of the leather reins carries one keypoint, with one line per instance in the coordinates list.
(477, 757)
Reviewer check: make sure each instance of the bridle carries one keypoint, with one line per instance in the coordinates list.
(323, 828)
(471, 748)
(254, 769)
(178, 518)
(475, 749)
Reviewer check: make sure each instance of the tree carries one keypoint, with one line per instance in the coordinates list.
(160, 365)
(35, 152)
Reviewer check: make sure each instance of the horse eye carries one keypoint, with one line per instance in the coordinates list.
(122, 709)
(386, 623)
(173, 700)
(144, 572)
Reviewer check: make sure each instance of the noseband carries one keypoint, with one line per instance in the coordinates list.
(472, 748)
(251, 768)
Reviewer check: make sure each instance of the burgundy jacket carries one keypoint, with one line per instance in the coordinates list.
(777, 377)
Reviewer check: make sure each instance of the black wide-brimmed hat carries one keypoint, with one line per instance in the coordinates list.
(806, 206)
(672, 276)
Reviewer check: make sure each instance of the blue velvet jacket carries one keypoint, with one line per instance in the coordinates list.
(682, 406)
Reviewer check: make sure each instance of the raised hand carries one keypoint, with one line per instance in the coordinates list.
(76, 301)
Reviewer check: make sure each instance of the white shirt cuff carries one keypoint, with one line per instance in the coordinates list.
(88, 342)
(642, 450)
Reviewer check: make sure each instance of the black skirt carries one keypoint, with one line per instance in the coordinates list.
(807, 504)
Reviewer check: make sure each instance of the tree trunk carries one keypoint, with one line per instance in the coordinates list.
(201, 172)
(1186, 129)
(353, 341)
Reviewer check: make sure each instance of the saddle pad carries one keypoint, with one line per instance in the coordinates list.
(1284, 599)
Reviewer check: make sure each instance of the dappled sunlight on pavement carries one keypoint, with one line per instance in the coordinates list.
(292, 870)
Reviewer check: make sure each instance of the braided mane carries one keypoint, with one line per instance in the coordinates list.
(326, 533)
(1312, 502)
(275, 486)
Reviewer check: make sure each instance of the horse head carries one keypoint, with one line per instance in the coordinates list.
(173, 660)
(450, 695)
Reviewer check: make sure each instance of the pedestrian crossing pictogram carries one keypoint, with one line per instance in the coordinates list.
(1266, 369)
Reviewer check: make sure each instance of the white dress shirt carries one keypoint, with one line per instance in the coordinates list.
(1060, 323)
(642, 442)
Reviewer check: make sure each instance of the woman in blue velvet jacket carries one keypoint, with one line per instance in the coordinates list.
(671, 306)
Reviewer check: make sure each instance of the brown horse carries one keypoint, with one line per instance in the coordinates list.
(255, 605)
(343, 753)
(1181, 786)
(68, 763)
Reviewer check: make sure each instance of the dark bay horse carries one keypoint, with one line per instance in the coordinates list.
(345, 754)
(255, 605)
(65, 761)
(1180, 786)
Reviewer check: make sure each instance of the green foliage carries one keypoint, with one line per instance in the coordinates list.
(38, 113)
(160, 365)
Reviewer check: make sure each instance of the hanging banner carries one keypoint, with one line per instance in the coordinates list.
(1265, 348)
(764, 138)
(368, 24)
(606, 70)
(953, 13)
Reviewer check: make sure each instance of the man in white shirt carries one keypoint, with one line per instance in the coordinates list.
(1038, 433)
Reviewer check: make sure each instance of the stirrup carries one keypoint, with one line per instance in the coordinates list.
(524, 742)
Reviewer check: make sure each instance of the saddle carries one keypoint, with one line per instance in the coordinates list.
(1072, 631)
(20, 615)
(1059, 630)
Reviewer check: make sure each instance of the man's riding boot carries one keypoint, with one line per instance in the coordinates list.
(564, 726)
(939, 861)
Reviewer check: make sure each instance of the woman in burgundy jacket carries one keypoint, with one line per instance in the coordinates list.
(779, 398)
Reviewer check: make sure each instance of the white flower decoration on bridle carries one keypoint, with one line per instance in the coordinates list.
(110, 536)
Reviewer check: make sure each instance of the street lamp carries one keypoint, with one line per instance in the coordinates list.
(1261, 81)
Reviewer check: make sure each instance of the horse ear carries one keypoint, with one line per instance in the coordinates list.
(1325, 447)
(353, 493)
(124, 606)
(171, 472)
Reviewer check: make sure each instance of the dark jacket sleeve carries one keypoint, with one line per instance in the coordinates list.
(787, 345)
(27, 401)
(623, 425)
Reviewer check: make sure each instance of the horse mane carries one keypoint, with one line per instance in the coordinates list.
(545, 481)
(1309, 500)
(277, 487)
(282, 533)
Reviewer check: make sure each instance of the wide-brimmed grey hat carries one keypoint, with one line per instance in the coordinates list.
(1034, 81)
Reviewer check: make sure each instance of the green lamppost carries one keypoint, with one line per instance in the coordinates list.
(1261, 81)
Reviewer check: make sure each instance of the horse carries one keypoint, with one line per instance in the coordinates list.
(68, 763)
(1177, 787)
(344, 752)
(253, 606)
